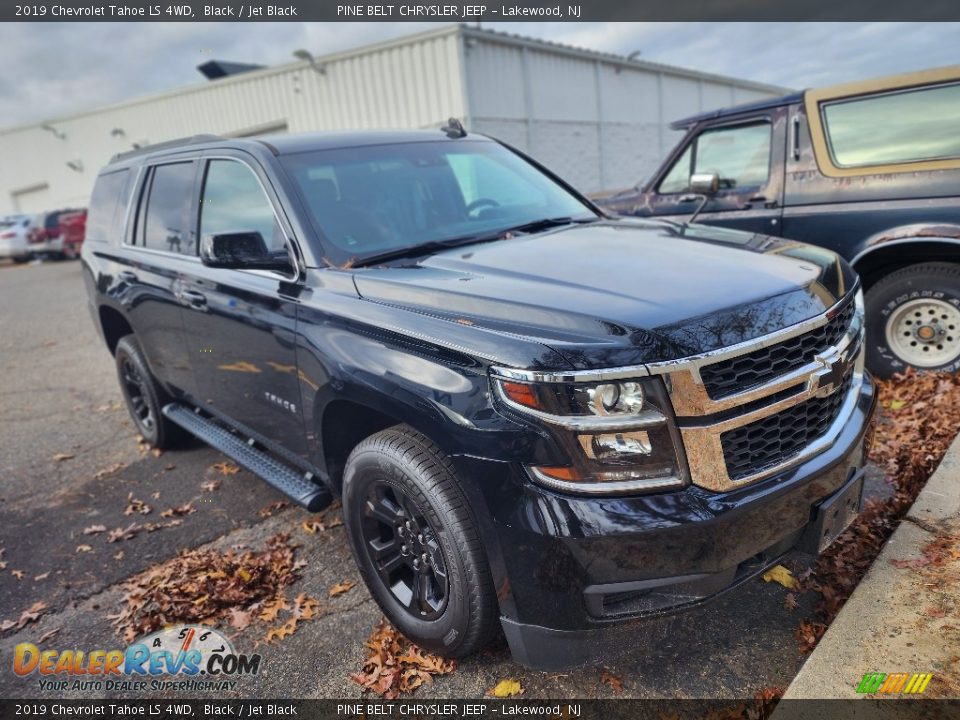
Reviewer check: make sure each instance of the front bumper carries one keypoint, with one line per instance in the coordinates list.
(570, 569)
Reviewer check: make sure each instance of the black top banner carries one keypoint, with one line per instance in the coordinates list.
(482, 11)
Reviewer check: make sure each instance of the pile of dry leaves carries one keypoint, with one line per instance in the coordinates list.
(395, 665)
(204, 586)
(918, 419)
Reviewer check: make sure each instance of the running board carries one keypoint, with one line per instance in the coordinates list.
(298, 487)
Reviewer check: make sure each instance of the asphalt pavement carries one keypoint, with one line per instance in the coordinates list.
(59, 397)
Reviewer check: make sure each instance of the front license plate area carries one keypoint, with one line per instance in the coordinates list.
(835, 514)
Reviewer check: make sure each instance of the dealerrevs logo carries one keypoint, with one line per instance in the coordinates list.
(197, 658)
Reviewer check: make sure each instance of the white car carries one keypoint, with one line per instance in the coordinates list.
(13, 237)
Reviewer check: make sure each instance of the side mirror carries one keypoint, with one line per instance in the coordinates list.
(705, 183)
(241, 250)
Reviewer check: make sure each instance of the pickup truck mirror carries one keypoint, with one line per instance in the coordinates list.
(705, 183)
(241, 250)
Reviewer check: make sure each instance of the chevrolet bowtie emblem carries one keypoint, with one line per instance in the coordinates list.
(836, 367)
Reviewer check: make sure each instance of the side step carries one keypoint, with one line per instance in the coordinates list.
(298, 487)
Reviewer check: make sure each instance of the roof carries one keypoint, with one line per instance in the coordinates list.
(686, 122)
(290, 144)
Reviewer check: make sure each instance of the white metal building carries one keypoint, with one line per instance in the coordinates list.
(599, 120)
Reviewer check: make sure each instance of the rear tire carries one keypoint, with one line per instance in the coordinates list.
(144, 396)
(913, 320)
(417, 544)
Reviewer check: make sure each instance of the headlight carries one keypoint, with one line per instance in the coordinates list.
(619, 435)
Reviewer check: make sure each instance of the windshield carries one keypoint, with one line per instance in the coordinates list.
(370, 201)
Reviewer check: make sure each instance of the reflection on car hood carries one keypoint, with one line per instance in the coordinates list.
(621, 292)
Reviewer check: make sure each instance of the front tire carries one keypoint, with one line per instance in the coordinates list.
(416, 542)
(144, 396)
(913, 320)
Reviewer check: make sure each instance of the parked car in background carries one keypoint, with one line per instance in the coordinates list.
(13, 237)
(537, 416)
(73, 227)
(870, 170)
(44, 236)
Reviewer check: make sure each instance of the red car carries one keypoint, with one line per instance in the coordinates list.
(73, 227)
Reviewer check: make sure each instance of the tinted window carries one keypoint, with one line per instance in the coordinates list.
(369, 200)
(165, 225)
(234, 201)
(739, 155)
(104, 202)
(898, 127)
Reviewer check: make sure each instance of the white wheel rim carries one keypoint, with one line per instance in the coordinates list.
(925, 333)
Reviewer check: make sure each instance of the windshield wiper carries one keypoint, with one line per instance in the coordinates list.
(438, 245)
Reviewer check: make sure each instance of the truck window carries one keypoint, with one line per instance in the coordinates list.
(234, 201)
(103, 204)
(740, 155)
(165, 222)
(907, 126)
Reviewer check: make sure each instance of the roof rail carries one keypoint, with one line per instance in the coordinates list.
(168, 144)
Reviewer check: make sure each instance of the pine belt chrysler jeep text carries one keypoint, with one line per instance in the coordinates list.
(537, 417)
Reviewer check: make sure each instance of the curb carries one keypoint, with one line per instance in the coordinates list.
(883, 626)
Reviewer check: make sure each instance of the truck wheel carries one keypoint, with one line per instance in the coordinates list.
(416, 542)
(144, 396)
(913, 320)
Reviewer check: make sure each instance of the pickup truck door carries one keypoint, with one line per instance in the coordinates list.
(241, 324)
(748, 155)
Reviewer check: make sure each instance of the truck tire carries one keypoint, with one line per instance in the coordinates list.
(416, 542)
(913, 320)
(144, 396)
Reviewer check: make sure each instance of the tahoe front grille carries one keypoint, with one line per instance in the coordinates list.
(736, 374)
(765, 443)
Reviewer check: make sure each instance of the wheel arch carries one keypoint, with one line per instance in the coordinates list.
(898, 249)
(114, 326)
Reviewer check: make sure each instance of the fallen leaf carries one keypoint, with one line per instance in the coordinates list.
(305, 607)
(226, 468)
(18, 574)
(84, 549)
(49, 634)
(60, 457)
(123, 533)
(108, 471)
(341, 587)
(118, 556)
(273, 507)
(94, 529)
(29, 615)
(136, 506)
(185, 509)
(790, 602)
(283, 631)
(615, 683)
(312, 526)
(240, 619)
(44, 576)
(394, 665)
(781, 575)
(506, 688)
(211, 485)
(272, 608)
(896, 404)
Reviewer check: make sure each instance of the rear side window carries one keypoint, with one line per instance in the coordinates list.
(906, 126)
(167, 209)
(105, 204)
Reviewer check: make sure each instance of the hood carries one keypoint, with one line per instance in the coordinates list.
(621, 292)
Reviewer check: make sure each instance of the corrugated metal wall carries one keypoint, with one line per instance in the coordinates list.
(600, 123)
(415, 82)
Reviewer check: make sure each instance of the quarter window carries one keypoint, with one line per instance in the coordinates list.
(739, 155)
(104, 204)
(908, 126)
(234, 202)
(165, 225)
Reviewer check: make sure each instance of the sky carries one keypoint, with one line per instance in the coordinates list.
(53, 69)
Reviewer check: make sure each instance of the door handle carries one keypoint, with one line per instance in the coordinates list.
(193, 298)
(763, 199)
(128, 276)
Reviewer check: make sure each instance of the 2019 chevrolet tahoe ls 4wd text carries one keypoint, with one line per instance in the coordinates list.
(536, 416)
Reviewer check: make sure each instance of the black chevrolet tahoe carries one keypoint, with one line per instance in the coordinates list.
(870, 170)
(537, 417)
